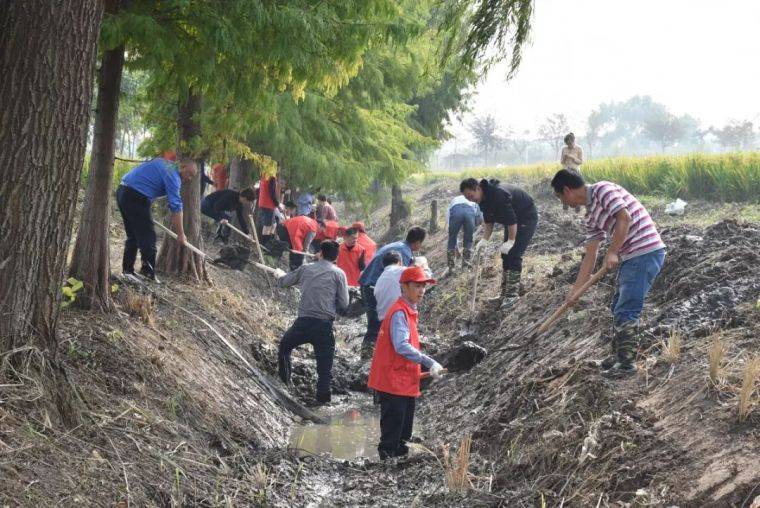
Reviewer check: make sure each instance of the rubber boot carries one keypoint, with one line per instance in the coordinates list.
(626, 346)
(283, 369)
(502, 293)
(451, 256)
(466, 259)
(324, 397)
(511, 289)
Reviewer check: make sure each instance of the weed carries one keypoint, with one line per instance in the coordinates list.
(671, 349)
(139, 305)
(751, 375)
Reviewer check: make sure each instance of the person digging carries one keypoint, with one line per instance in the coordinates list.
(514, 208)
(395, 370)
(222, 204)
(463, 215)
(635, 250)
(324, 294)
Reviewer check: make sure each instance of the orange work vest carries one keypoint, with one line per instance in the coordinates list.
(298, 227)
(348, 261)
(390, 372)
(265, 199)
(369, 245)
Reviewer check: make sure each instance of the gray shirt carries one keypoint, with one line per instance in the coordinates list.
(324, 290)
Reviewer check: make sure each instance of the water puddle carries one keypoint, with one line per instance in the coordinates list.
(346, 436)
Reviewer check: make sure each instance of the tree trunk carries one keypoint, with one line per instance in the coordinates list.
(399, 213)
(47, 53)
(240, 173)
(91, 259)
(433, 217)
(173, 258)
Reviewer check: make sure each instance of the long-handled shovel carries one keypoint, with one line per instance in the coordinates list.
(204, 255)
(566, 306)
(236, 230)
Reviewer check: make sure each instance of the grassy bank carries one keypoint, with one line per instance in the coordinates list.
(730, 177)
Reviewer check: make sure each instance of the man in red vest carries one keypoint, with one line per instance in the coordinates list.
(365, 241)
(351, 258)
(301, 231)
(395, 371)
(269, 200)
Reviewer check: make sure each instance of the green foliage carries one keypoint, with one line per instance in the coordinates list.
(120, 169)
(730, 177)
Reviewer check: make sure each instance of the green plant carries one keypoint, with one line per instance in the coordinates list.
(70, 289)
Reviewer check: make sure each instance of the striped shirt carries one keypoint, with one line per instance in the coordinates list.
(604, 200)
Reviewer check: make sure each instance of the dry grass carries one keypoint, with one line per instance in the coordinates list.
(671, 349)
(746, 399)
(715, 358)
(457, 471)
(139, 305)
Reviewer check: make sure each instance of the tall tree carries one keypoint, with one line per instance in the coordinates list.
(735, 135)
(45, 99)
(90, 261)
(553, 131)
(486, 133)
(664, 129)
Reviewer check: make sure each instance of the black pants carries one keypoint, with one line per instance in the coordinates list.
(396, 422)
(138, 223)
(318, 333)
(373, 320)
(525, 230)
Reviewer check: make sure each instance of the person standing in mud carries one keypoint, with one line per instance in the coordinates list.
(511, 206)
(414, 238)
(635, 250)
(571, 158)
(395, 370)
(463, 215)
(324, 294)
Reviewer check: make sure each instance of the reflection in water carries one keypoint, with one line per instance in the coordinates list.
(352, 434)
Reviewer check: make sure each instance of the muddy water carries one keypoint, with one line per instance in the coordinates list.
(354, 433)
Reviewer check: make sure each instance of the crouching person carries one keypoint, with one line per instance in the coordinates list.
(324, 293)
(395, 371)
(635, 250)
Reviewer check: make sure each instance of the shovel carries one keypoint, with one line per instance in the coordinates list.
(566, 306)
(469, 327)
(204, 255)
(426, 374)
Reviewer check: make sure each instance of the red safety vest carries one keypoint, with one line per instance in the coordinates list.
(390, 372)
(219, 176)
(297, 228)
(265, 199)
(330, 232)
(348, 261)
(369, 245)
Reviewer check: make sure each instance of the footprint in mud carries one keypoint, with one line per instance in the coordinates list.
(346, 436)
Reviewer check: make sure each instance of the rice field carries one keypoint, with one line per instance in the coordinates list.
(728, 177)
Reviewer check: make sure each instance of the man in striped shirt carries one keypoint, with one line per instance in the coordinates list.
(635, 249)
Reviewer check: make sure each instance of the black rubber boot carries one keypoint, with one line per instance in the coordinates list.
(466, 259)
(511, 289)
(451, 256)
(283, 369)
(324, 397)
(626, 343)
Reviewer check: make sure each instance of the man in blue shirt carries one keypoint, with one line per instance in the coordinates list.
(414, 238)
(304, 203)
(144, 183)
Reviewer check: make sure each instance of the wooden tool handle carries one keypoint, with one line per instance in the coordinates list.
(565, 306)
(426, 374)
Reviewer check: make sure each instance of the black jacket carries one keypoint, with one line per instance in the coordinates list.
(506, 204)
(226, 200)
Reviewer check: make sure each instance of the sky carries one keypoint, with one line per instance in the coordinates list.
(698, 57)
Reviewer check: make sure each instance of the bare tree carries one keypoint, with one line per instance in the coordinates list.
(553, 131)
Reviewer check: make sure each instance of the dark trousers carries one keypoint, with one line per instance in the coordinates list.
(138, 223)
(318, 333)
(396, 422)
(373, 320)
(525, 230)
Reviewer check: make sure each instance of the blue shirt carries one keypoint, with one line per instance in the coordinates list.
(303, 204)
(154, 179)
(375, 267)
(400, 339)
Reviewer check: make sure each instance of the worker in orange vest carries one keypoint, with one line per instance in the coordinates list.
(395, 371)
(301, 231)
(351, 258)
(365, 241)
(269, 200)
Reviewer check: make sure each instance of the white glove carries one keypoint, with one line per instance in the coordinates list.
(481, 243)
(422, 262)
(224, 221)
(435, 371)
(506, 247)
(279, 273)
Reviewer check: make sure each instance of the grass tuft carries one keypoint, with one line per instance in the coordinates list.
(746, 399)
(715, 357)
(139, 305)
(671, 349)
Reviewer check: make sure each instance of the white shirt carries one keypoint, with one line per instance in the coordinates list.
(388, 288)
(576, 152)
(461, 200)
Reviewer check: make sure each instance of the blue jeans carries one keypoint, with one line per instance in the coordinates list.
(635, 278)
(461, 216)
(373, 320)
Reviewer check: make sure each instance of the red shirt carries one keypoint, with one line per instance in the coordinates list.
(350, 261)
(390, 372)
(219, 176)
(369, 245)
(298, 227)
(266, 199)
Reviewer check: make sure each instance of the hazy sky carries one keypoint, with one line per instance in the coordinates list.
(695, 56)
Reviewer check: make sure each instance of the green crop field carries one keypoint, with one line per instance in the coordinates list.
(729, 177)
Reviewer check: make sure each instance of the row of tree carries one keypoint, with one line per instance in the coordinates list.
(340, 93)
(634, 127)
